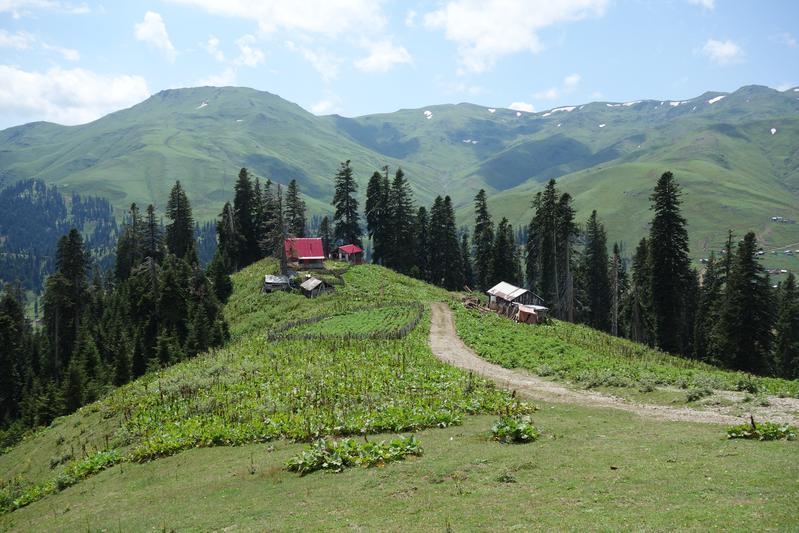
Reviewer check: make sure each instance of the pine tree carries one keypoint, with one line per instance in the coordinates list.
(401, 221)
(130, 246)
(503, 267)
(709, 303)
(639, 301)
(446, 269)
(180, 230)
(532, 257)
(324, 234)
(786, 353)
(73, 384)
(227, 236)
(295, 211)
(244, 209)
(483, 242)
(377, 215)
(466, 259)
(346, 219)
(122, 363)
(153, 240)
(422, 245)
(219, 271)
(746, 320)
(617, 275)
(595, 268)
(670, 265)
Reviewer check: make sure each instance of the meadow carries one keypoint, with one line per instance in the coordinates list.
(590, 358)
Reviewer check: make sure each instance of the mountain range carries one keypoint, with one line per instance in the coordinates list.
(735, 154)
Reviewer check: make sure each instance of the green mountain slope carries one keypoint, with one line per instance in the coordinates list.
(735, 171)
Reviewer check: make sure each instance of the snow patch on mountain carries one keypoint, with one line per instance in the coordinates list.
(716, 99)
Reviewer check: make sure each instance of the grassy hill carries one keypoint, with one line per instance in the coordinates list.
(735, 171)
(202, 445)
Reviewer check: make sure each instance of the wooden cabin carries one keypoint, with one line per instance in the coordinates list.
(276, 283)
(313, 287)
(503, 296)
(530, 314)
(305, 253)
(350, 253)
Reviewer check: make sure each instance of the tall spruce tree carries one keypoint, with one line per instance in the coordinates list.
(503, 267)
(532, 256)
(295, 211)
(325, 235)
(180, 230)
(639, 300)
(747, 319)
(483, 237)
(245, 213)
(153, 240)
(401, 222)
(595, 269)
(346, 218)
(376, 214)
(422, 245)
(446, 269)
(466, 259)
(619, 286)
(130, 246)
(786, 344)
(670, 266)
(708, 307)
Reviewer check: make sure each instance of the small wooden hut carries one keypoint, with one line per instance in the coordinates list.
(313, 287)
(503, 295)
(351, 253)
(530, 314)
(276, 283)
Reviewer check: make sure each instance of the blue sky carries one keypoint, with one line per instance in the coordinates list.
(71, 61)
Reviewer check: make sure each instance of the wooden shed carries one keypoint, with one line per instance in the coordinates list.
(351, 253)
(313, 287)
(503, 295)
(530, 314)
(276, 283)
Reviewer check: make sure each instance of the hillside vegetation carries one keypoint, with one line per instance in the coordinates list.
(736, 156)
(203, 445)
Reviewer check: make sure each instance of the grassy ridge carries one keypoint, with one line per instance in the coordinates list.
(591, 358)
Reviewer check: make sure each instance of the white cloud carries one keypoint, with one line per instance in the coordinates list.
(571, 81)
(461, 87)
(522, 106)
(152, 31)
(212, 47)
(782, 87)
(66, 96)
(24, 41)
(225, 78)
(722, 52)
(325, 63)
(21, 8)
(67, 53)
(326, 17)
(485, 30)
(383, 56)
(21, 40)
(710, 5)
(410, 19)
(322, 107)
(249, 55)
(550, 94)
(786, 39)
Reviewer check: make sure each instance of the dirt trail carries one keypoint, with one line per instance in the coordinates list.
(448, 347)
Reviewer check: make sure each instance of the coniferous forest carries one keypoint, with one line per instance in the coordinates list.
(103, 326)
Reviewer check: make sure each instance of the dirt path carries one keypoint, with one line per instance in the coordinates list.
(448, 347)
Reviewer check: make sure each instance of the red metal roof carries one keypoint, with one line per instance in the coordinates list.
(305, 248)
(350, 249)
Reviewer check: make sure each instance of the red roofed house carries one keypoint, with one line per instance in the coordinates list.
(305, 252)
(351, 253)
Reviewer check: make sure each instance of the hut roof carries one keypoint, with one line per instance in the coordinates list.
(506, 291)
(276, 280)
(532, 308)
(311, 283)
(350, 249)
(305, 248)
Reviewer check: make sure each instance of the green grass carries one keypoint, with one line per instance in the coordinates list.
(591, 470)
(592, 359)
(385, 319)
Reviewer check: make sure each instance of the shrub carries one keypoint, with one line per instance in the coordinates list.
(337, 455)
(747, 384)
(514, 429)
(697, 393)
(762, 431)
